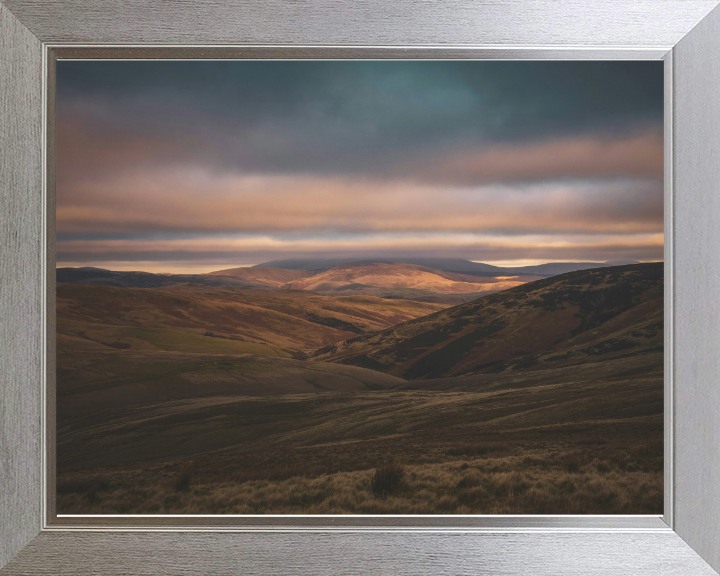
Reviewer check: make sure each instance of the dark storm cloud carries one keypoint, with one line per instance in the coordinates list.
(352, 116)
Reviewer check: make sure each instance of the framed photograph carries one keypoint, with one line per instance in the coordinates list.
(415, 290)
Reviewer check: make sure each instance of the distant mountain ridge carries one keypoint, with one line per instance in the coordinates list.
(382, 280)
(438, 280)
(455, 265)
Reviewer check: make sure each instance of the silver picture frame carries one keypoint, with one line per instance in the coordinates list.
(685, 34)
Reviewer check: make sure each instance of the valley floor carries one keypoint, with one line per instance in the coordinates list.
(577, 440)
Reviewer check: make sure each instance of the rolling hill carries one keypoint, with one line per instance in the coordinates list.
(574, 318)
(196, 318)
(367, 278)
(439, 280)
(392, 280)
(266, 277)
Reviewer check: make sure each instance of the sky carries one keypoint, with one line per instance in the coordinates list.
(196, 166)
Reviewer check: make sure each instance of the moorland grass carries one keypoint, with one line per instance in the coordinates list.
(536, 481)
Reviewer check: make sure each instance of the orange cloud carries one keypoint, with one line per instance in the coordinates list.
(198, 200)
(362, 243)
(579, 157)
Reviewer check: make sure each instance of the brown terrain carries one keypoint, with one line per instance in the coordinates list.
(187, 397)
(290, 320)
(358, 275)
(265, 277)
(364, 278)
(560, 321)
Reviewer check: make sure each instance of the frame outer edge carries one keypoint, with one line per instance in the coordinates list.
(69, 553)
(20, 281)
(20, 277)
(697, 287)
(658, 23)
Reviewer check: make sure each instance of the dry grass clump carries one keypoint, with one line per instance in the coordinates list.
(602, 467)
(469, 481)
(184, 477)
(387, 479)
(572, 461)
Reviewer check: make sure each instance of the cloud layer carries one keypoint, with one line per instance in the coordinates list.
(239, 164)
(187, 200)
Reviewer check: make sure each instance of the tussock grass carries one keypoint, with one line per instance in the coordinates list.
(387, 479)
(184, 476)
(572, 461)
(534, 481)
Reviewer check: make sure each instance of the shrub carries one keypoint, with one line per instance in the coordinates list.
(387, 479)
(184, 476)
(98, 485)
(468, 481)
(602, 467)
(572, 461)
(472, 496)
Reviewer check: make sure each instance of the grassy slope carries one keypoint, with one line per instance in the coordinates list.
(581, 441)
(574, 318)
(141, 318)
(154, 406)
(266, 434)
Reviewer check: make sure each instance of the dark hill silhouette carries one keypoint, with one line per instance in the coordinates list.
(574, 318)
